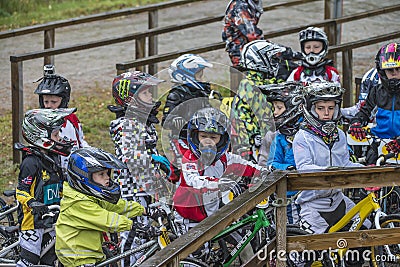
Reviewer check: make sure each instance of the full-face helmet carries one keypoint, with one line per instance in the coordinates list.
(39, 124)
(262, 56)
(187, 69)
(53, 84)
(290, 93)
(326, 91)
(209, 120)
(126, 86)
(83, 162)
(313, 34)
(388, 57)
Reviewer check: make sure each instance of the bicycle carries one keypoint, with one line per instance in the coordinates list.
(9, 241)
(157, 237)
(389, 196)
(255, 228)
(7, 211)
(370, 205)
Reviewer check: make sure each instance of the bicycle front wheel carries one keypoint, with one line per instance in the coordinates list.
(391, 203)
(387, 255)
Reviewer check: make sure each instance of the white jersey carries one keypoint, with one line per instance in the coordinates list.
(72, 133)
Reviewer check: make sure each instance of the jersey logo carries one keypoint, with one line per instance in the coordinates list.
(45, 176)
(51, 194)
(28, 180)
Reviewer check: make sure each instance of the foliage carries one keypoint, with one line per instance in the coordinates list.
(20, 13)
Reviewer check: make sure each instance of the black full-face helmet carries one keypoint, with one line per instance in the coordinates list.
(290, 93)
(83, 162)
(388, 57)
(53, 84)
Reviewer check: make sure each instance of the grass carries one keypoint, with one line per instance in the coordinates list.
(20, 13)
(92, 108)
(95, 118)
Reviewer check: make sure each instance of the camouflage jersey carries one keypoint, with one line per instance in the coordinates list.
(240, 27)
(251, 112)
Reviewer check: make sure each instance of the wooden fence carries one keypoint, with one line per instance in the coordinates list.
(50, 51)
(280, 182)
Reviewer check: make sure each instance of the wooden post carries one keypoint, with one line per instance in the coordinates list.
(347, 76)
(140, 51)
(281, 189)
(153, 40)
(49, 41)
(331, 29)
(17, 102)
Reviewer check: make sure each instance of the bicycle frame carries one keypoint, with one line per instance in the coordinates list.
(260, 221)
(363, 208)
(150, 248)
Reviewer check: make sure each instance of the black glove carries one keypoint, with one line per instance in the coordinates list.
(393, 146)
(154, 213)
(225, 184)
(38, 209)
(178, 122)
(357, 131)
(291, 168)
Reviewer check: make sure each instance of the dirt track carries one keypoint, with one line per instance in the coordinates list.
(95, 68)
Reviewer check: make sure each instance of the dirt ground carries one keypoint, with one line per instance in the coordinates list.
(95, 68)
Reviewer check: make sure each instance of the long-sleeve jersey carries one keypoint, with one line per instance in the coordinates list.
(134, 143)
(240, 26)
(38, 180)
(183, 101)
(81, 222)
(72, 130)
(387, 113)
(311, 153)
(281, 155)
(197, 195)
(323, 73)
(251, 111)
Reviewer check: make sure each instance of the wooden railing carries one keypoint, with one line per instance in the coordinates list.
(280, 182)
(330, 24)
(49, 28)
(50, 51)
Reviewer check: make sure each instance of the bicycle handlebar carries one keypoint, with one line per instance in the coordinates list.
(383, 158)
(52, 208)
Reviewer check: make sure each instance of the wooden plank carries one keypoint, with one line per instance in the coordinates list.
(49, 41)
(281, 219)
(168, 56)
(127, 12)
(361, 238)
(17, 103)
(344, 178)
(153, 40)
(94, 17)
(207, 229)
(347, 77)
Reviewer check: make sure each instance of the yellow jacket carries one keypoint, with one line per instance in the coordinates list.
(81, 222)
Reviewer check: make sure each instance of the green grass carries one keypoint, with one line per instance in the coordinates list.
(92, 108)
(95, 118)
(20, 13)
